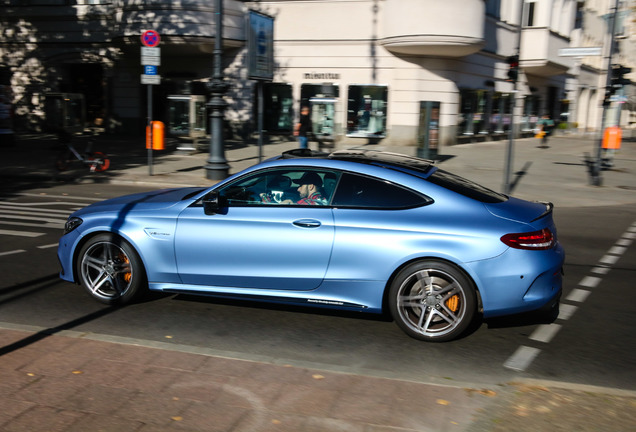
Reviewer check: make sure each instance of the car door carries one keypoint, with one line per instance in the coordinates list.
(251, 244)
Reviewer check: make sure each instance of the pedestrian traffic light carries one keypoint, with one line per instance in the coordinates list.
(618, 79)
(513, 68)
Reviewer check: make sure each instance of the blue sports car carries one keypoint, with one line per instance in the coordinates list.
(358, 230)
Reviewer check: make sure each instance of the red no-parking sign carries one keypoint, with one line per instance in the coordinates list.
(150, 38)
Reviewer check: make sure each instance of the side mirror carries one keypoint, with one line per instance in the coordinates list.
(212, 203)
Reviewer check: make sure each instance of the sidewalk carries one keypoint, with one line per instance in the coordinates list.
(57, 380)
(72, 383)
(557, 173)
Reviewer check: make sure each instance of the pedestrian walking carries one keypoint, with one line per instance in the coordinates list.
(303, 127)
(546, 127)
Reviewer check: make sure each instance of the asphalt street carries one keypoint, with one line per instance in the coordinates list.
(70, 364)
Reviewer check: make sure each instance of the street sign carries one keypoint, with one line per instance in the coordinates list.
(151, 56)
(150, 52)
(150, 60)
(151, 79)
(150, 38)
(150, 70)
(580, 52)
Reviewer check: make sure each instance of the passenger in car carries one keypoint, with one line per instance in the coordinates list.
(310, 190)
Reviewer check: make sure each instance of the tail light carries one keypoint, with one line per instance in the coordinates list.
(536, 240)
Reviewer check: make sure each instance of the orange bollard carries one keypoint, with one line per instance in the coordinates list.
(158, 142)
(612, 138)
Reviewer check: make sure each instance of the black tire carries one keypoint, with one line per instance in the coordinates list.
(110, 270)
(432, 300)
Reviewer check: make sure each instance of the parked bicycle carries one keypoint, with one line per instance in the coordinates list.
(97, 161)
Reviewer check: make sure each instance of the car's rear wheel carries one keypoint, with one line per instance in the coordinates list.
(110, 270)
(432, 300)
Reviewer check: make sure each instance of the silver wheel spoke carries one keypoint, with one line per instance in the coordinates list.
(104, 269)
(99, 281)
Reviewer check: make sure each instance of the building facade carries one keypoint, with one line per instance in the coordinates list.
(400, 72)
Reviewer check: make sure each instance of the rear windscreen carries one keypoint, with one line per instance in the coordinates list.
(465, 187)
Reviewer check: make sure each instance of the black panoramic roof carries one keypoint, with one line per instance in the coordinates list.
(373, 157)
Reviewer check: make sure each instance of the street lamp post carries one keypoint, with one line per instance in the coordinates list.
(217, 167)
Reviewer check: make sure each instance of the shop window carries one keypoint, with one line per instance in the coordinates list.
(309, 91)
(475, 112)
(366, 111)
(277, 107)
(186, 115)
(530, 115)
(500, 117)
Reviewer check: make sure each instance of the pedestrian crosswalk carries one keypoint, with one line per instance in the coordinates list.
(32, 215)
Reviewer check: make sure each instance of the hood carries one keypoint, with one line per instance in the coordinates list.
(519, 210)
(155, 200)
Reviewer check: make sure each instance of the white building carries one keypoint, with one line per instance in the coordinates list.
(416, 72)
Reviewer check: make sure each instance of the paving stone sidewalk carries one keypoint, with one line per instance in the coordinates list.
(73, 383)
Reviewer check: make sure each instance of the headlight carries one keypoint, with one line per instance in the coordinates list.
(71, 224)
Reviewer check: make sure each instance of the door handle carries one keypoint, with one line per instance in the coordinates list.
(307, 223)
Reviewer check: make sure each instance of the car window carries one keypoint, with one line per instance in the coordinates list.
(466, 187)
(282, 187)
(366, 192)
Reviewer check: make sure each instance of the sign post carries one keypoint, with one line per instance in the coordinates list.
(150, 60)
(260, 64)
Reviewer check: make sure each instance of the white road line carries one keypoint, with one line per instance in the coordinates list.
(545, 332)
(13, 252)
(56, 225)
(48, 246)
(566, 311)
(15, 206)
(20, 233)
(601, 270)
(522, 358)
(32, 218)
(624, 242)
(590, 282)
(60, 196)
(609, 259)
(617, 250)
(578, 295)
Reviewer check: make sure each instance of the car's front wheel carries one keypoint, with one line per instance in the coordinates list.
(110, 270)
(432, 300)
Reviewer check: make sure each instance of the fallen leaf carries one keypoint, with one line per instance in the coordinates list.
(177, 418)
(317, 377)
(443, 402)
(77, 372)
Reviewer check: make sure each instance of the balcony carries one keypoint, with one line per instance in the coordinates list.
(450, 28)
(540, 52)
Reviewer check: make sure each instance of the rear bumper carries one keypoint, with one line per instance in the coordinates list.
(520, 281)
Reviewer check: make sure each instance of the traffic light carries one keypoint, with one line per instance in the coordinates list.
(618, 76)
(513, 68)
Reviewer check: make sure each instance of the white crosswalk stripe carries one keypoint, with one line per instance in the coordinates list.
(35, 219)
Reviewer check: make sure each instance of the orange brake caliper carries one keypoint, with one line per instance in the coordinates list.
(453, 303)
